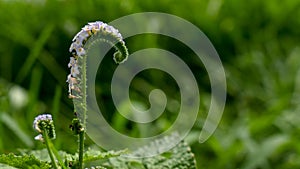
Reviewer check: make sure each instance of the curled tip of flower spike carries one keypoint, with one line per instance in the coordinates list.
(119, 57)
(76, 126)
(43, 123)
(78, 48)
(38, 119)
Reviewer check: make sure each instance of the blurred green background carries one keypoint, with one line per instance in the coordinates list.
(258, 43)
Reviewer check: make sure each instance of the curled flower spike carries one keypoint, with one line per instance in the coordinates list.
(101, 31)
(42, 123)
(76, 126)
(94, 33)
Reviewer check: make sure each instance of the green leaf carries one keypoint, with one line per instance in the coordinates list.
(44, 156)
(6, 166)
(97, 167)
(24, 162)
(179, 157)
(93, 155)
(96, 157)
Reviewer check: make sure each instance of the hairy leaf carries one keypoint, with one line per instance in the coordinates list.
(179, 157)
(93, 155)
(24, 162)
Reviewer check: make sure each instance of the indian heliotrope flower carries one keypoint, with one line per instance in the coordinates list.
(72, 62)
(43, 123)
(103, 31)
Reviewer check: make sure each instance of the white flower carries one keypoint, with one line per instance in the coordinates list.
(73, 97)
(72, 62)
(40, 118)
(97, 25)
(69, 80)
(93, 27)
(119, 36)
(44, 123)
(80, 51)
(110, 29)
(39, 137)
(83, 34)
(80, 37)
(86, 28)
(73, 46)
(100, 24)
(72, 81)
(103, 25)
(75, 70)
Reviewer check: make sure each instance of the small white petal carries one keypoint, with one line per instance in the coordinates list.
(72, 62)
(84, 34)
(74, 71)
(86, 28)
(80, 52)
(69, 78)
(73, 46)
(39, 137)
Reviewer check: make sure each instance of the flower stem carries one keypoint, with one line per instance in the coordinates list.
(47, 142)
(81, 148)
(84, 114)
(57, 156)
(77, 79)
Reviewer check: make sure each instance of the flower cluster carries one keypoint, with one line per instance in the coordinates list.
(42, 123)
(105, 32)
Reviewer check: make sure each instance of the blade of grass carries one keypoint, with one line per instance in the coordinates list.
(56, 100)
(1, 131)
(14, 127)
(53, 67)
(55, 108)
(34, 53)
(34, 89)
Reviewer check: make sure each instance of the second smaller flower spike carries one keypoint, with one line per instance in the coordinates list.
(42, 123)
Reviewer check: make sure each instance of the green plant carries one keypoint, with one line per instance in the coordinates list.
(93, 34)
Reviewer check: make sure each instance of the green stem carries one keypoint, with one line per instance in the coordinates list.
(83, 122)
(57, 156)
(81, 148)
(84, 90)
(79, 48)
(47, 142)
